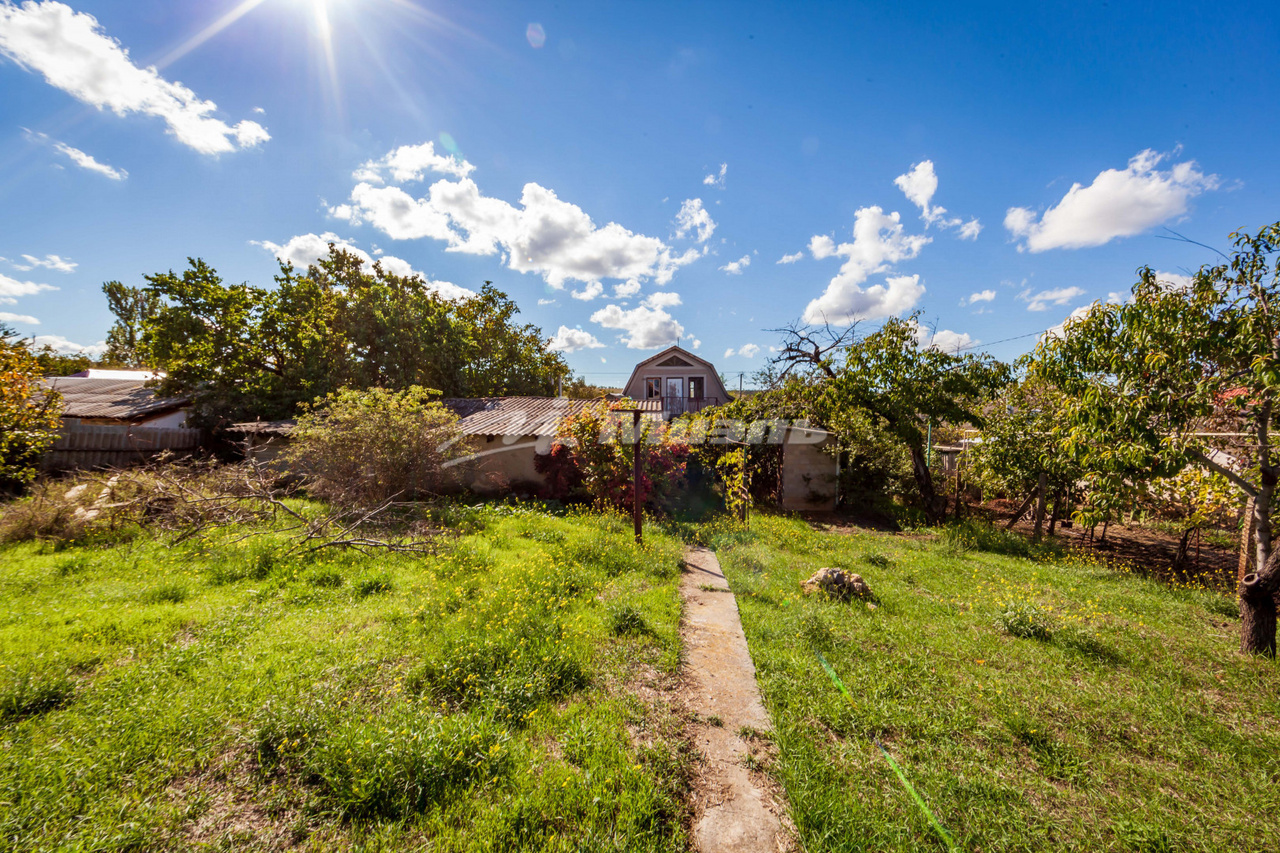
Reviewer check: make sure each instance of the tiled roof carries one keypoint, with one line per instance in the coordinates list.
(123, 399)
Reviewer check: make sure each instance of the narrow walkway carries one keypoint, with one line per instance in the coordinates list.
(732, 811)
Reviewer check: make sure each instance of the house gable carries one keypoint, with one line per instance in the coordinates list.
(678, 364)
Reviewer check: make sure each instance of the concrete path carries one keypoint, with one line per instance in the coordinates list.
(732, 812)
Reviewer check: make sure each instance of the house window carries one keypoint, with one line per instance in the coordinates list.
(652, 388)
(696, 389)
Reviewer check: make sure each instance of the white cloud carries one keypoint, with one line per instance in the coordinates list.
(746, 351)
(1175, 281)
(547, 302)
(662, 299)
(75, 55)
(944, 340)
(821, 246)
(980, 296)
(791, 259)
(545, 235)
(694, 343)
(80, 158)
(694, 217)
(6, 317)
(305, 250)
(411, 163)
(918, 186)
(1057, 296)
(878, 243)
(970, 230)
(590, 291)
(87, 162)
(717, 180)
(644, 328)
(572, 340)
(49, 262)
(736, 267)
(1119, 203)
(62, 345)
(626, 289)
(11, 289)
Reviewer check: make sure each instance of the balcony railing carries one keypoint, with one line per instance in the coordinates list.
(672, 406)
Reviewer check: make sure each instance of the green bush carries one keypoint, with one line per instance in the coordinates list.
(360, 448)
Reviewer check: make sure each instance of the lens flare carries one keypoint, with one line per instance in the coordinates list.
(536, 35)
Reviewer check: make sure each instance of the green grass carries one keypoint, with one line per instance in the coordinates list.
(1050, 705)
(227, 696)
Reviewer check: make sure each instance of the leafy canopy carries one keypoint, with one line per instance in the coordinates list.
(247, 352)
(29, 413)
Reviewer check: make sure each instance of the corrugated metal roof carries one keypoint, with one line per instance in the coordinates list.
(123, 399)
(539, 416)
(513, 415)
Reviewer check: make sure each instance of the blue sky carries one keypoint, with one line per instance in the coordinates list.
(634, 173)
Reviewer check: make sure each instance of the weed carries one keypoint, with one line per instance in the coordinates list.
(880, 561)
(1220, 605)
(1025, 620)
(715, 720)
(626, 619)
(1056, 760)
(167, 593)
(815, 632)
(26, 692)
(325, 577)
(972, 535)
(372, 585)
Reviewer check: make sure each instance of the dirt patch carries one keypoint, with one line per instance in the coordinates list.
(225, 807)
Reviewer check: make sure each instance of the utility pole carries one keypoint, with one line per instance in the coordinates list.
(635, 477)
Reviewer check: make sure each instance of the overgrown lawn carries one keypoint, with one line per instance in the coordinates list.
(228, 695)
(1035, 705)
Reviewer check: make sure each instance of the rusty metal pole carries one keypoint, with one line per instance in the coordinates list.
(635, 477)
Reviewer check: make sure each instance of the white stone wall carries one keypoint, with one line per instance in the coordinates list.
(809, 474)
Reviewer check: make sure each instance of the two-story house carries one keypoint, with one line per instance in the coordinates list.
(676, 381)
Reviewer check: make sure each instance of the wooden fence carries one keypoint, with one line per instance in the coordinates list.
(82, 445)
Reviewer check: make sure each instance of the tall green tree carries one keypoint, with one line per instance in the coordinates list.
(132, 307)
(247, 352)
(888, 377)
(1144, 380)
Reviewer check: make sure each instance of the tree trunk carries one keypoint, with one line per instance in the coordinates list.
(1043, 489)
(924, 482)
(1257, 615)
(1057, 510)
(1258, 588)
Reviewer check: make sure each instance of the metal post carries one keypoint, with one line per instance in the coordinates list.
(635, 477)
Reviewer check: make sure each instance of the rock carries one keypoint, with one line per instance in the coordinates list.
(838, 583)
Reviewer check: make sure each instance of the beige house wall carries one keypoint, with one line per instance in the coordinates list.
(504, 463)
(809, 474)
